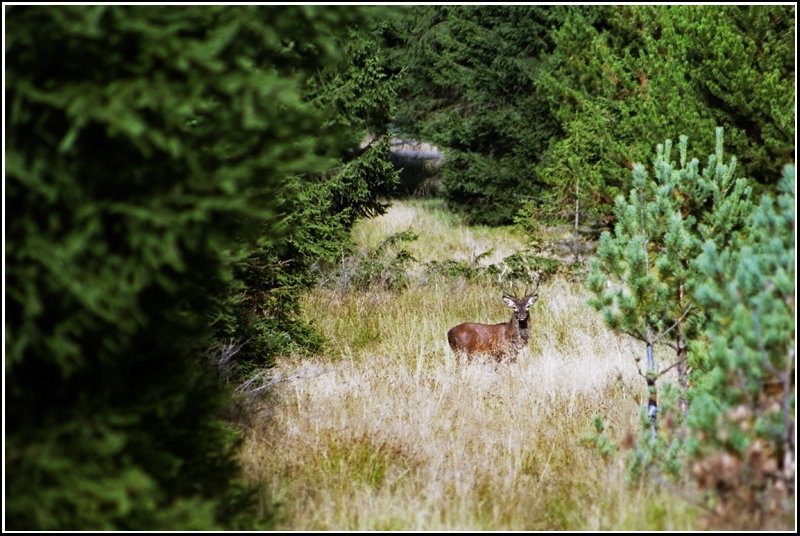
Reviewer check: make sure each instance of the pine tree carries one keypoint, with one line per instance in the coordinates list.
(641, 277)
(742, 414)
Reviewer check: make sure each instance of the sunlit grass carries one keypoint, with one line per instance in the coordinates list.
(442, 233)
(382, 431)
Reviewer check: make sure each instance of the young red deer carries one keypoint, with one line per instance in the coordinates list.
(500, 341)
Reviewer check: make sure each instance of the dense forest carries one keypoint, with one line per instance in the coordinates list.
(182, 186)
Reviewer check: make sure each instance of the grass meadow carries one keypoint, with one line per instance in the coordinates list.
(383, 431)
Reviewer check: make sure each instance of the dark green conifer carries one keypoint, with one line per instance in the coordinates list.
(150, 150)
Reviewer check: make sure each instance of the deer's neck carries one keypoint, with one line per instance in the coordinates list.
(519, 330)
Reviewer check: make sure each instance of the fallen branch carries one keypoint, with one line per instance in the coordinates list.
(245, 387)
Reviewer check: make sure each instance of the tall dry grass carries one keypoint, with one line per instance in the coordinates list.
(442, 234)
(384, 432)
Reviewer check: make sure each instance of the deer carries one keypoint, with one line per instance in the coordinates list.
(499, 341)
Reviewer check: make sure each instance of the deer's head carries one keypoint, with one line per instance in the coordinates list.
(521, 305)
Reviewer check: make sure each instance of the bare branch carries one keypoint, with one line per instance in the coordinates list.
(267, 383)
(642, 374)
(765, 362)
(222, 353)
(672, 366)
(673, 326)
(670, 345)
(635, 334)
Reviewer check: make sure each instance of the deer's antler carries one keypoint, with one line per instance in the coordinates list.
(500, 278)
(536, 276)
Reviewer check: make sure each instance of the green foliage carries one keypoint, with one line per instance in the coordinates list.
(645, 275)
(745, 70)
(147, 148)
(598, 440)
(319, 210)
(575, 167)
(620, 77)
(384, 267)
(469, 86)
(690, 265)
(529, 220)
(519, 266)
(744, 399)
(515, 269)
(747, 293)
(658, 232)
(549, 105)
(452, 268)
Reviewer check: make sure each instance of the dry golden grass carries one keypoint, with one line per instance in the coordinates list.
(384, 432)
(442, 233)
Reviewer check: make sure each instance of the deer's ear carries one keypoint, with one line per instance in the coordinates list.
(509, 301)
(531, 300)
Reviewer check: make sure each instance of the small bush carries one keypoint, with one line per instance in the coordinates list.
(385, 267)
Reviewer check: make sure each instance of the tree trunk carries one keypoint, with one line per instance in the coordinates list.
(652, 393)
(682, 351)
(575, 244)
(683, 372)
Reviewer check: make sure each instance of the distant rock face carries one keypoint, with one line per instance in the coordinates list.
(415, 149)
(418, 163)
(407, 148)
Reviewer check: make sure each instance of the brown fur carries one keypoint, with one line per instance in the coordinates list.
(499, 341)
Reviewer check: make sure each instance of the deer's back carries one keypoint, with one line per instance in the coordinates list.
(474, 338)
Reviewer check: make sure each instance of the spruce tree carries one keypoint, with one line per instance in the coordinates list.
(468, 84)
(147, 149)
(618, 78)
(261, 319)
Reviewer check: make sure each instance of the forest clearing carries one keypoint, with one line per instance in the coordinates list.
(399, 267)
(382, 431)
